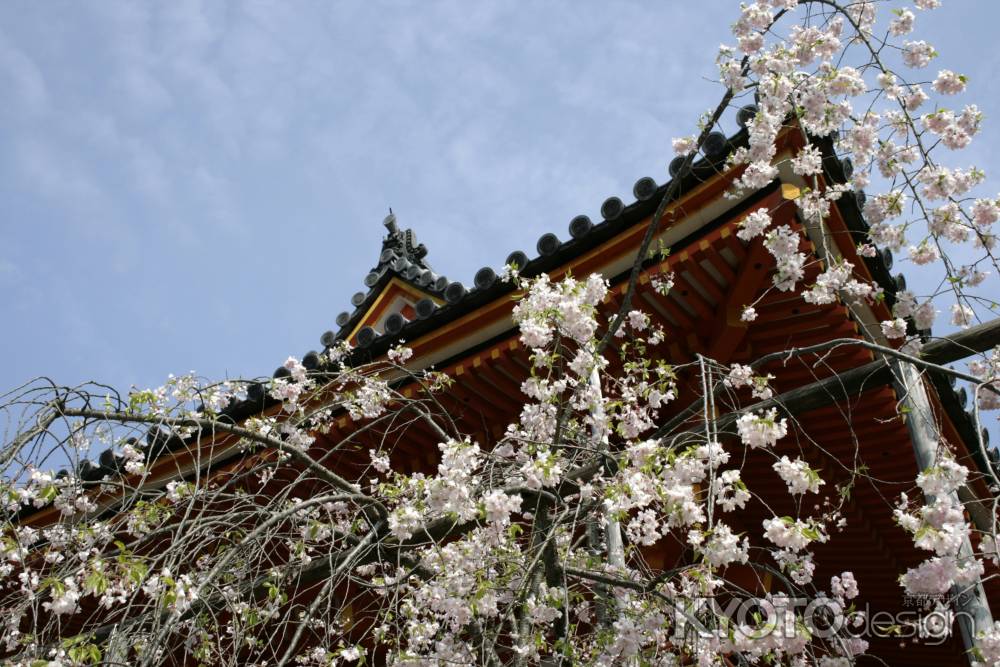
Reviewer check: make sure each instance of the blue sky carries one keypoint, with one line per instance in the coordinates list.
(200, 185)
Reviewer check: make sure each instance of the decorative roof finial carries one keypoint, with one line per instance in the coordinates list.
(390, 223)
(403, 255)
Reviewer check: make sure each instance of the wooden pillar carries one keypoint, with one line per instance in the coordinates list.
(972, 605)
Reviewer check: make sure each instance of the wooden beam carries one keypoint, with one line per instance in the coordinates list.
(745, 286)
(850, 384)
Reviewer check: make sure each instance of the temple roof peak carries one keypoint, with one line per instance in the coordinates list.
(400, 249)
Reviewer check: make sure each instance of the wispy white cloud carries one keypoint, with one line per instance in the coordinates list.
(141, 142)
(60, 177)
(22, 79)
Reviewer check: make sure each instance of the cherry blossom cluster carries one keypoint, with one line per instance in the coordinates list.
(545, 537)
(939, 526)
(883, 116)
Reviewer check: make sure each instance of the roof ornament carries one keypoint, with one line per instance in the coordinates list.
(390, 223)
(401, 256)
(400, 245)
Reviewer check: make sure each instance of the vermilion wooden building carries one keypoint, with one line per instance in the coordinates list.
(467, 332)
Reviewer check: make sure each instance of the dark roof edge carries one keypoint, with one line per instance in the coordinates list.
(630, 215)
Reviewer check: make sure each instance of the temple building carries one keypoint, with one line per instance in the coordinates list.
(467, 332)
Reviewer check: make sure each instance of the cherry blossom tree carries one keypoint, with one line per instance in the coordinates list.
(250, 545)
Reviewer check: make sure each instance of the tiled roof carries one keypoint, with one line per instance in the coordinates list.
(550, 251)
(402, 257)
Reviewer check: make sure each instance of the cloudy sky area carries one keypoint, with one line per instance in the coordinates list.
(200, 185)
